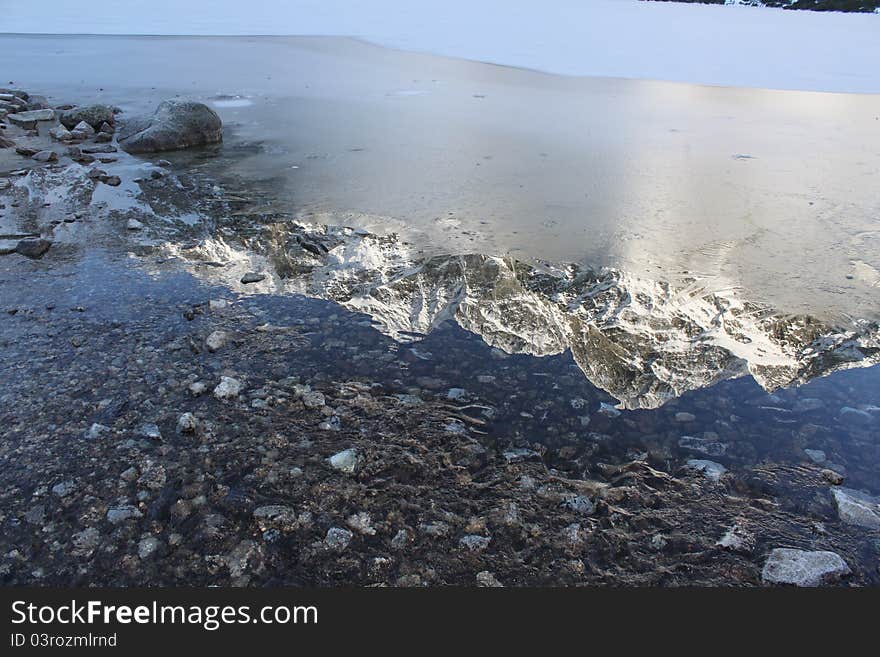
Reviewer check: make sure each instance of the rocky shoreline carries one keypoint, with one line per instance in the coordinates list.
(164, 426)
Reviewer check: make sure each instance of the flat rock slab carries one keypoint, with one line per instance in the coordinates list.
(175, 124)
(857, 508)
(803, 568)
(27, 118)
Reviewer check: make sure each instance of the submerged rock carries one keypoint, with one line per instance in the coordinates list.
(33, 248)
(175, 124)
(857, 508)
(803, 568)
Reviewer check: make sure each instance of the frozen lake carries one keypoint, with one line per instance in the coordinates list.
(708, 44)
(769, 192)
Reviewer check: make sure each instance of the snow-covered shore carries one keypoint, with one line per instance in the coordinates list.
(707, 44)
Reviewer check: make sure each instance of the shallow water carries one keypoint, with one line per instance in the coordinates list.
(768, 193)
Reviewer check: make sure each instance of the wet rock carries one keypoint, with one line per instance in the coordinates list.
(45, 156)
(113, 181)
(30, 118)
(32, 248)
(486, 579)
(815, 455)
(197, 388)
(5, 142)
(134, 224)
(832, 477)
(187, 423)
(608, 410)
(26, 151)
(345, 461)
(338, 538)
(119, 514)
(803, 568)
(92, 115)
(857, 508)
(685, 417)
(103, 138)
(99, 148)
(252, 277)
(711, 469)
(228, 388)
(175, 124)
(216, 340)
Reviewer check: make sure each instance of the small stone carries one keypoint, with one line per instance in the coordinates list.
(276, 516)
(32, 248)
(84, 128)
(608, 410)
(338, 538)
(113, 181)
(737, 539)
(345, 461)
(103, 138)
(313, 399)
(520, 454)
(64, 489)
(803, 568)
(148, 546)
(60, 133)
(45, 156)
(218, 304)
(832, 477)
(816, 455)
(186, 423)
(486, 579)
(475, 542)
(119, 514)
(86, 542)
(580, 504)
(129, 475)
(361, 523)
(216, 341)
(228, 388)
(400, 540)
(197, 388)
(134, 224)
(711, 469)
(685, 417)
(96, 430)
(252, 277)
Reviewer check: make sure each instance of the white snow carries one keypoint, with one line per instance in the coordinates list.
(709, 44)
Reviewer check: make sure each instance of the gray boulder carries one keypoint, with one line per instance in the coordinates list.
(94, 115)
(803, 568)
(29, 119)
(857, 508)
(175, 124)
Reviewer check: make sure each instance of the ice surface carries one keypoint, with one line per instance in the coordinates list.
(709, 44)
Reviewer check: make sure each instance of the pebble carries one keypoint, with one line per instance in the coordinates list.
(96, 430)
(252, 277)
(216, 341)
(64, 489)
(338, 538)
(228, 388)
(134, 224)
(345, 461)
(486, 579)
(685, 417)
(186, 423)
(361, 523)
(711, 469)
(313, 399)
(148, 546)
(475, 542)
(119, 514)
